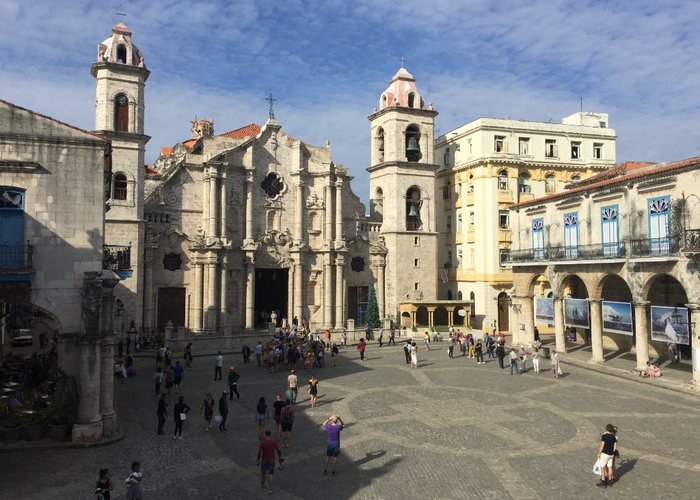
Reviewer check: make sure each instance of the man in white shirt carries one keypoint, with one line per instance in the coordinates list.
(218, 365)
(293, 386)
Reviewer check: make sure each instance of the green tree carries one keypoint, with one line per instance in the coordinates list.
(372, 314)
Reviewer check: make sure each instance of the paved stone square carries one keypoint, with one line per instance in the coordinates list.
(449, 429)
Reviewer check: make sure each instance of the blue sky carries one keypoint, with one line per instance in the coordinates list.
(328, 61)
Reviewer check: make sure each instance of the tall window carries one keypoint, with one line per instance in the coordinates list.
(538, 238)
(524, 182)
(575, 150)
(597, 150)
(503, 180)
(571, 235)
(446, 191)
(411, 100)
(660, 225)
(610, 230)
(550, 148)
(499, 144)
(380, 143)
(11, 228)
(120, 187)
(503, 219)
(121, 54)
(413, 206)
(121, 113)
(413, 152)
(550, 184)
(472, 299)
(524, 146)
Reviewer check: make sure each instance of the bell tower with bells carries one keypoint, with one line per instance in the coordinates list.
(402, 191)
(120, 77)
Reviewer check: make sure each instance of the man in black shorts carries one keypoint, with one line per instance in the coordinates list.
(286, 423)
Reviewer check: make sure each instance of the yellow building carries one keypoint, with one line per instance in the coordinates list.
(485, 166)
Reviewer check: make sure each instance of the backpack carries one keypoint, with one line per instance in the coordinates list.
(287, 416)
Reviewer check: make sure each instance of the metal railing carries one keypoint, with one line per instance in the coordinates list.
(653, 247)
(16, 258)
(116, 257)
(691, 241)
(600, 251)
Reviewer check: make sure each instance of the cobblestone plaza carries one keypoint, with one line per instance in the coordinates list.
(450, 429)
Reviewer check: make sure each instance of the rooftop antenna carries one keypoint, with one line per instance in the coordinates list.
(581, 98)
(272, 101)
(403, 61)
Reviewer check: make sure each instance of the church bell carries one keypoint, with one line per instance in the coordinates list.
(413, 150)
(413, 211)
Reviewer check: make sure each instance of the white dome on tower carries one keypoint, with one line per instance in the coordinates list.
(119, 49)
(401, 92)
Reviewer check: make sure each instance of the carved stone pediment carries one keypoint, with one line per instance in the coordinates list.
(314, 202)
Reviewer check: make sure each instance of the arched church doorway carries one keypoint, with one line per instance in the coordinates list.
(503, 312)
(271, 294)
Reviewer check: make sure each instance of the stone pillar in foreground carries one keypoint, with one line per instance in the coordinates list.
(596, 331)
(641, 333)
(559, 334)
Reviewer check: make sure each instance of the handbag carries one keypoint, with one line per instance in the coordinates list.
(596, 467)
(558, 370)
(183, 416)
(218, 418)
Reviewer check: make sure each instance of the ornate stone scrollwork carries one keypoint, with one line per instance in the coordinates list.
(272, 184)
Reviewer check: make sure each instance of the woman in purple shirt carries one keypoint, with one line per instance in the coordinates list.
(333, 425)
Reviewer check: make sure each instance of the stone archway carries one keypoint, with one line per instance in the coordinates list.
(440, 317)
(421, 316)
(665, 291)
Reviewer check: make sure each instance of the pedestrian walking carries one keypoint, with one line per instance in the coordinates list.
(333, 425)
(180, 411)
(233, 377)
(334, 353)
(451, 346)
(158, 380)
(361, 346)
(522, 360)
(188, 355)
(223, 412)
(104, 484)
(266, 461)
(414, 355)
(313, 390)
(392, 336)
(606, 453)
(169, 379)
(345, 339)
(489, 342)
(162, 412)
(179, 373)
(208, 409)
(554, 360)
(426, 340)
(407, 351)
(258, 353)
(513, 361)
(134, 490)
(381, 338)
(261, 416)
(293, 386)
(217, 365)
(245, 350)
(286, 423)
(478, 349)
(500, 354)
(536, 360)
(277, 412)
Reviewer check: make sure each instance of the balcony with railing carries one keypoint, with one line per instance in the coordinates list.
(117, 258)
(469, 198)
(505, 196)
(16, 262)
(691, 241)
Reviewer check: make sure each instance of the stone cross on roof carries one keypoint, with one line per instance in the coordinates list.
(272, 101)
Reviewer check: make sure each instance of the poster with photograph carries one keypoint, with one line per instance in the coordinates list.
(544, 310)
(617, 317)
(576, 313)
(670, 324)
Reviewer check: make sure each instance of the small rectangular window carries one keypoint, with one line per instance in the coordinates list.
(575, 150)
(598, 150)
(459, 257)
(416, 241)
(503, 219)
(416, 262)
(499, 144)
(471, 219)
(524, 145)
(416, 286)
(602, 124)
(448, 224)
(446, 157)
(550, 148)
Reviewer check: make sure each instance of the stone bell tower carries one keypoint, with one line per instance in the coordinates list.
(121, 75)
(402, 191)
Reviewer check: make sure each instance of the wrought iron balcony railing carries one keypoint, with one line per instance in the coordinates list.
(16, 259)
(116, 257)
(691, 241)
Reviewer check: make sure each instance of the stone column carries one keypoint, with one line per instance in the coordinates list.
(298, 291)
(223, 198)
(198, 295)
(559, 335)
(528, 314)
(694, 336)
(109, 416)
(431, 316)
(148, 291)
(641, 333)
(327, 292)
(339, 213)
(291, 299)
(212, 294)
(450, 317)
(250, 294)
(249, 206)
(596, 330)
(380, 289)
(223, 300)
(88, 427)
(213, 188)
(339, 292)
(299, 213)
(329, 215)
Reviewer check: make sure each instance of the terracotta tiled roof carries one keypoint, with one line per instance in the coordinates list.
(189, 143)
(619, 174)
(165, 150)
(149, 169)
(250, 130)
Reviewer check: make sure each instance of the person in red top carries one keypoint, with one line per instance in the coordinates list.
(266, 460)
(361, 346)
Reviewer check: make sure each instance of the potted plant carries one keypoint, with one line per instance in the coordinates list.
(64, 407)
(34, 425)
(10, 429)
